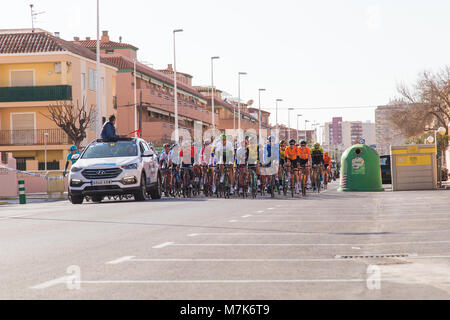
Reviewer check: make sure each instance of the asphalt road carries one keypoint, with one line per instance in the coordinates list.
(329, 246)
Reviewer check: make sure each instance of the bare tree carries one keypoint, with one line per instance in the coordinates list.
(73, 120)
(428, 103)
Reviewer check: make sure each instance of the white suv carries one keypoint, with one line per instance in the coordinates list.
(127, 166)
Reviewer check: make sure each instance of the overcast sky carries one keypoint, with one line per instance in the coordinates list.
(333, 53)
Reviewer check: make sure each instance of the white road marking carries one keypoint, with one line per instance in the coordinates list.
(270, 208)
(261, 211)
(356, 248)
(290, 281)
(345, 221)
(237, 260)
(52, 283)
(233, 221)
(303, 244)
(163, 245)
(121, 260)
(247, 216)
(193, 235)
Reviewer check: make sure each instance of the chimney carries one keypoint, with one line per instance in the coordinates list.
(170, 67)
(88, 38)
(76, 38)
(57, 34)
(105, 36)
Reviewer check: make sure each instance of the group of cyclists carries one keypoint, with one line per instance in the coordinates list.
(223, 168)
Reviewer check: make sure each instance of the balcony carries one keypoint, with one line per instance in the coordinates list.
(37, 93)
(32, 137)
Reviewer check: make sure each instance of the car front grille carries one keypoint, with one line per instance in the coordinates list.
(96, 174)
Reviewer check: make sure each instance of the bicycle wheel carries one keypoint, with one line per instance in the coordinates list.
(318, 183)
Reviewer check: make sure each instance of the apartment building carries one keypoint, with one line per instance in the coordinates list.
(386, 134)
(155, 89)
(338, 135)
(228, 112)
(38, 69)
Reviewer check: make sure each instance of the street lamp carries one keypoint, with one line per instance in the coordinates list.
(175, 91)
(442, 131)
(298, 116)
(98, 114)
(212, 91)
(276, 113)
(289, 123)
(306, 134)
(239, 102)
(260, 127)
(45, 150)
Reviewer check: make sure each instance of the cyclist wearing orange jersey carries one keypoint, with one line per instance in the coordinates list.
(327, 164)
(304, 155)
(291, 154)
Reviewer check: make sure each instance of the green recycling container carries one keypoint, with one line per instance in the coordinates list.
(360, 170)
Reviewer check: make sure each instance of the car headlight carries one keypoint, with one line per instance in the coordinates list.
(76, 169)
(130, 166)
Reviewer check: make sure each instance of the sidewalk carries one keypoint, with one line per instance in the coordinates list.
(33, 198)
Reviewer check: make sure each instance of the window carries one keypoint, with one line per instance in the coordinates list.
(22, 78)
(23, 128)
(92, 80)
(109, 50)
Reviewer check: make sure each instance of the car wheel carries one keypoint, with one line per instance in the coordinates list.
(75, 199)
(141, 194)
(97, 199)
(156, 192)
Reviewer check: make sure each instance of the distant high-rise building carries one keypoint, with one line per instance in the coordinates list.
(386, 134)
(339, 135)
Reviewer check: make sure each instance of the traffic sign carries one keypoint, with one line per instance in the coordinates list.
(362, 141)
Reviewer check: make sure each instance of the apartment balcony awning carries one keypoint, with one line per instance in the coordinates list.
(35, 93)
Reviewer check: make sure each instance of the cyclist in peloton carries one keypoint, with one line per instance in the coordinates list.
(327, 165)
(304, 158)
(223, 153)
(271, 153)
(317, 159)
(291, 154)
(252, 158)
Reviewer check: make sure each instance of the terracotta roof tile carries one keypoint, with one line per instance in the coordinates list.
(41, 42)
(124, 62)
(92, 44)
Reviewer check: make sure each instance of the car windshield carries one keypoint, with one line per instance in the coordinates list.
(111, 150)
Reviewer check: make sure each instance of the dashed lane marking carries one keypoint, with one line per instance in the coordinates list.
(120, 260)
(163, 245)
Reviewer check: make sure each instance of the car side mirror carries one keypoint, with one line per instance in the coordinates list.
(148, 153)
(75, 157)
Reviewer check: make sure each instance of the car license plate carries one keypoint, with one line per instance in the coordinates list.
(101, 182)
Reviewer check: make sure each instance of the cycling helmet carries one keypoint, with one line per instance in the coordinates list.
(224, 136)
(303, 143)
(316, 145)
(282, 142)
(292, 141)
(167, 145)
(271, 138)
(73, 148)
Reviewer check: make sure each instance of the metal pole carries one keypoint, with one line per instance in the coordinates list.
(239, 107)
(45, 150)
(98, 113)
(175, 93)
(135, 100)
(212, 93)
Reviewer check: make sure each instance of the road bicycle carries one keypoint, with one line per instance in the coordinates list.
(253, 181)
(316, 176)
(303, 180)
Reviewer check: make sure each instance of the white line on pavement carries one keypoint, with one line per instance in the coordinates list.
(52, 283)
(120, 260)
(233, 221)
(163, 245)
(303, 244)
(343, 221)
(193, 235)
(247, 216)
(238, 260)
(261, 211)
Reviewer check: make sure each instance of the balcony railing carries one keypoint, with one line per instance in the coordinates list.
(37, 93)
(32, 137)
